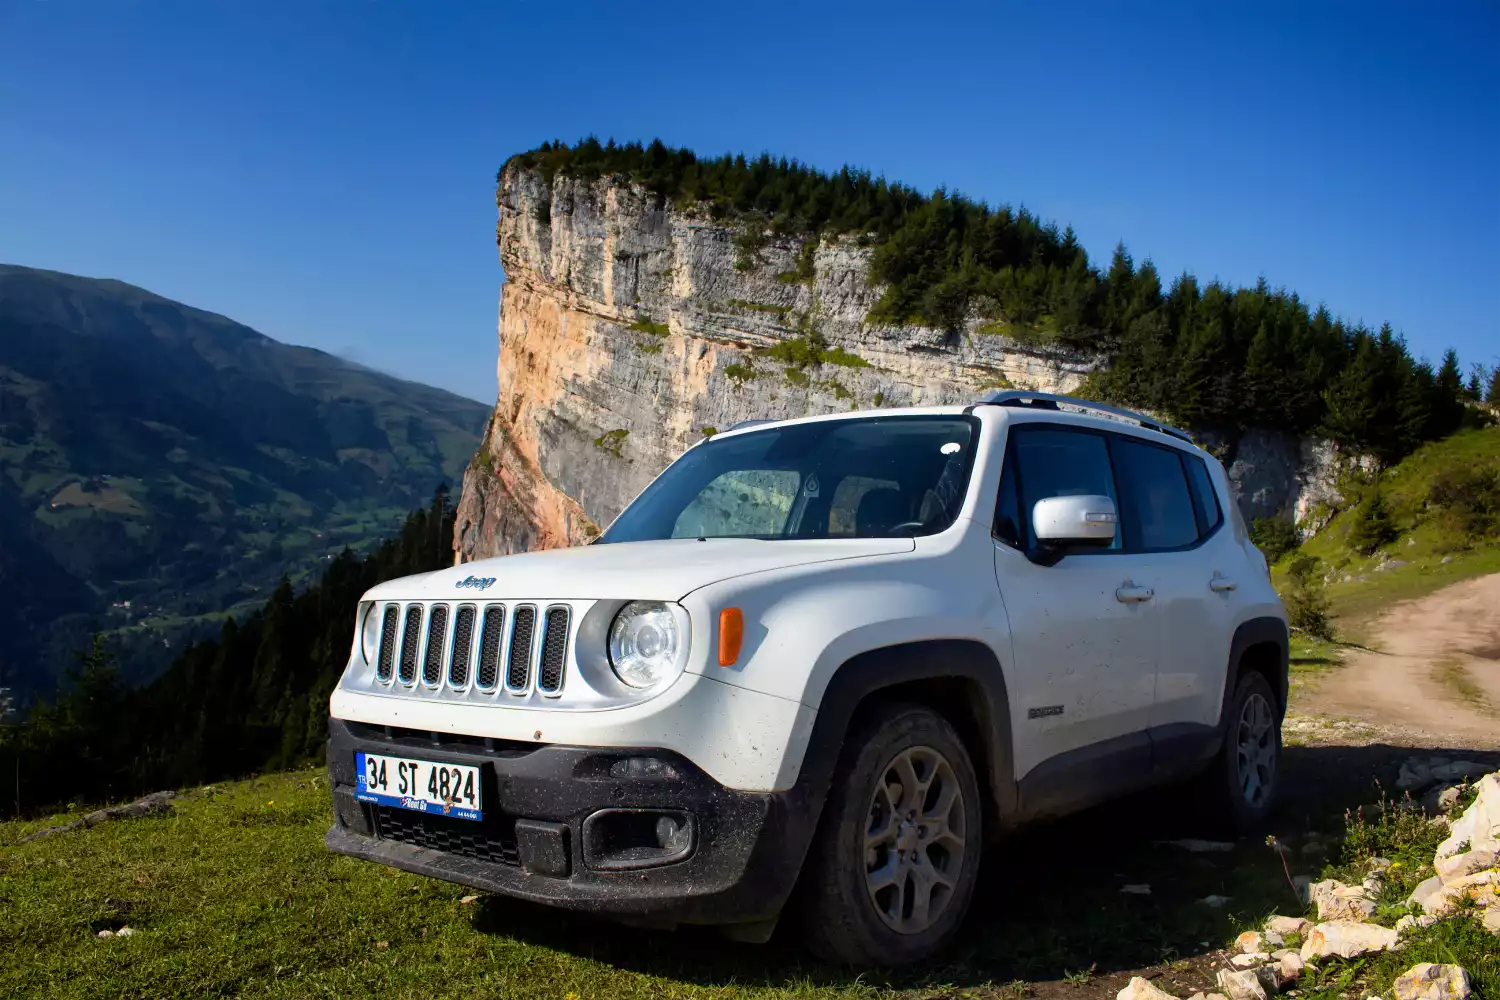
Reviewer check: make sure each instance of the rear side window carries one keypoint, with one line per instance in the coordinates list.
(1205, 500)
(1158, 509)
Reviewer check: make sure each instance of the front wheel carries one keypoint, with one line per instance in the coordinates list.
(894, 865)
(1245, 778)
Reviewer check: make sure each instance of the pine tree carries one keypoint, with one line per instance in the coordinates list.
(1448, 401)
(1492, 395)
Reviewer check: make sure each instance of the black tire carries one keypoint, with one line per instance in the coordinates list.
(1242, 784)
(841, 912)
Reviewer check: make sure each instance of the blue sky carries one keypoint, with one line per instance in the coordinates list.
(323, 170)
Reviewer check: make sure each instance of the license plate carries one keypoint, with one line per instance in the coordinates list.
(446, 789)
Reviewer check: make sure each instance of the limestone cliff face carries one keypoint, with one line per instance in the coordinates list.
(628, 330)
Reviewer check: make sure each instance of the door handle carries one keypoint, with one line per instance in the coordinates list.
(1131, 594)
(1220, 584)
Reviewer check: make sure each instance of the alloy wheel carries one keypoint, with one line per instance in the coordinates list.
(914, 840)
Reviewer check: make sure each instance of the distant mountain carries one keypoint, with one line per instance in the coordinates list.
(160, 464)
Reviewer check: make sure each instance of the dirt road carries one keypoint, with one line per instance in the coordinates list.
(1436, 678)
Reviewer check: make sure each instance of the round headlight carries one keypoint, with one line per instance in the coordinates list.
(369, 633)
(643, 643)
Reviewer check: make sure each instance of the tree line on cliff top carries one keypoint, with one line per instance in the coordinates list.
(253, 699)
(1209, 356)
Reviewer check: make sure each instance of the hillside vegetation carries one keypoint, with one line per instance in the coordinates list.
(1209, 355)
(1430, 520)
(160, 456)
(254, 698)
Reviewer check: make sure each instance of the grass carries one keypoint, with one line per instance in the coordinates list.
(643, 324)
(739, 374)
(232, 894)
(612, 441)
(778, 311)
(1456, 678)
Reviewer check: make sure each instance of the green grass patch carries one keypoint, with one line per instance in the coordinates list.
(612, 441)
(840, 390)
(644, 324)
(648, 346)
(811, 350)
(796, 377)
(739, 373)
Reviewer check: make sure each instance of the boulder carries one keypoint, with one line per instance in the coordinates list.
(1250, 960)
(1424, 891)
(1479, 826)
(1337, 901)
(1250, 984)
(1414, 774)
(1288, 925)
(1432, 982)
(1250, 942)
(1142, 989)
(1491, 920)
(1459, 770)
(1346, 939)
(1458, 866)
(1290, 966)
(1481, 887)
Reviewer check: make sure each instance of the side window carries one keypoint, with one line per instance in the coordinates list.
(1158, 511)
(843, 511)
(744, 502)
(1205, 500)
(1053, 462)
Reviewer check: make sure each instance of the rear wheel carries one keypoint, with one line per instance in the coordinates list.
(1243, 782)
(893, 868)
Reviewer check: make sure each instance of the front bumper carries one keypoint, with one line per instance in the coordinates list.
(550, 813)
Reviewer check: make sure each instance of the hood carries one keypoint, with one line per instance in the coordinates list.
(656, 571)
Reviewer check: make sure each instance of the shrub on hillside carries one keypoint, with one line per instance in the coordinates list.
(1373, 526)
(1306, 605)
(1468, 500)
(1275, 536)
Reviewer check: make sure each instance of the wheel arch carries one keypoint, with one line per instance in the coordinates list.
(1261, 645)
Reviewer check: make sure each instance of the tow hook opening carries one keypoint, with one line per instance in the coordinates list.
(626, 839)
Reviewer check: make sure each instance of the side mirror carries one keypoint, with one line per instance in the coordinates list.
(1063, 523)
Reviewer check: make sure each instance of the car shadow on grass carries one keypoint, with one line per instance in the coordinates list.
(1049, 917)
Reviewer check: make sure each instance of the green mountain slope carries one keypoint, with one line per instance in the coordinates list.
(158, 454)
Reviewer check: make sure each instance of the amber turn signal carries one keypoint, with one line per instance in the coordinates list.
(731, 634)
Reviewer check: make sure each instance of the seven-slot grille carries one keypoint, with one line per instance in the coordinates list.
(491, 644)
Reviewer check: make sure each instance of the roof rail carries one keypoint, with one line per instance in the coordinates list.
(749, 423)
(1049, 401)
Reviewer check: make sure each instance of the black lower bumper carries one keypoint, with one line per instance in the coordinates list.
(577, 828)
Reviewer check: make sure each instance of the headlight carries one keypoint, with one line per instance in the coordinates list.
(643, 643)
(369, 632)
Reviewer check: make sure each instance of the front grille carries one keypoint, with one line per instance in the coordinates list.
(463, 643)
(554, 650)
(522, 631)
(489, 646)
(437, 631)
(386, 664)
(411, 637)
(492, 839)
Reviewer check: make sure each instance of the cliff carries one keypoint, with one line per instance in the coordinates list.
(628, 329)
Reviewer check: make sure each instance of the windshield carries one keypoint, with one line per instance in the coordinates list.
(867, 477)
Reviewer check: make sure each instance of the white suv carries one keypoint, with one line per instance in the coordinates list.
(836, 655)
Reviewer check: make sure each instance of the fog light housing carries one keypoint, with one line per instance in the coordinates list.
(643, 768)
(627, 839)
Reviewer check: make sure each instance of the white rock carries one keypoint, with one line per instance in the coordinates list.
(1373, 886)
(1290, 966)
(1142, 989)
(1411, 922)
(125, 932)
(106, 934)
(1346, 939)
(1250, 984)
(1216, 996)
(1458, 866)
(1491, 920)
(1249, 960)
(466, 900)
(1216, 902)
(1413, 775)
(1432, 982)
(1481, 887)
(1250, 942)
(1337, 901)
(1303, 885)
(1424, 891)
(1447, 799)
(1288, 925)
(1136, 890)
(1479, 824)
(1379, 864)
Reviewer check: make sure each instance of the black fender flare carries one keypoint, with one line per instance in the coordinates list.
(1265, 631)
(900, 671)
